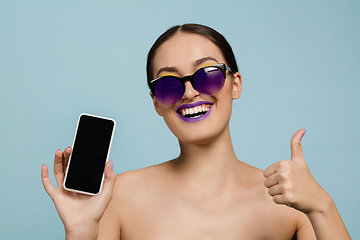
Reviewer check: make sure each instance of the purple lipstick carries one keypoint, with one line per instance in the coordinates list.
(193, 113)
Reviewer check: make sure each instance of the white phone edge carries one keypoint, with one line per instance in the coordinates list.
(107, 156)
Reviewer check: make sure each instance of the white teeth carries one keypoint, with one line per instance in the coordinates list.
(194, 110)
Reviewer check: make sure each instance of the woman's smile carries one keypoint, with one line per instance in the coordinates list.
(194, 112)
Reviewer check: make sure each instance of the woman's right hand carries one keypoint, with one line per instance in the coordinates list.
(79, 213)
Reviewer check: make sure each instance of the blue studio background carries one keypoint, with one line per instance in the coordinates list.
(300, 63)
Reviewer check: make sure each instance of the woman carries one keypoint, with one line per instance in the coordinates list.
(206, 192)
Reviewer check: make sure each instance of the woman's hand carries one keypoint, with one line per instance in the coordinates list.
(290, 182)
(79, 213)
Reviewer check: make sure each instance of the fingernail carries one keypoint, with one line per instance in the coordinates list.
(303, 134)
(112, 164)
(66, 148)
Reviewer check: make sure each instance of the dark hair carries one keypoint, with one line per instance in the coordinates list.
(202, 30)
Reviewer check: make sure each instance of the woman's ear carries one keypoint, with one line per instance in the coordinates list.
(237, 85)
(156, 104)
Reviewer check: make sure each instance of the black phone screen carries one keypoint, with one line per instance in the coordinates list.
(90, 152)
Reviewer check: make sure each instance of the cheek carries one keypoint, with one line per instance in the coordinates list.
(170, 117)
(224, 102)
(225, 96)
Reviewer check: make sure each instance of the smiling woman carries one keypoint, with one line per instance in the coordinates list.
(206, 192)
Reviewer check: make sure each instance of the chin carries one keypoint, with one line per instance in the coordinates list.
(198, 133)
(195, 140)
(200, 136)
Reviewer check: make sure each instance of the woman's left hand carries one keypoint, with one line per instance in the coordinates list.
(290, 182)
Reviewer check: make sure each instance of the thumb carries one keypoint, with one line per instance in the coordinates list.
(109, 172)
(295, 146)
(109, 183)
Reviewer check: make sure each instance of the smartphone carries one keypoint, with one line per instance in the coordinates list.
(91, 149)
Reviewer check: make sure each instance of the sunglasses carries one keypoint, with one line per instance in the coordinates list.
(208, 80)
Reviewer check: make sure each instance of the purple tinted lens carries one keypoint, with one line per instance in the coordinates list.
(209, 80)
(168, 90)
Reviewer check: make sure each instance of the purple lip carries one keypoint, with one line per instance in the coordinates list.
(191, 120)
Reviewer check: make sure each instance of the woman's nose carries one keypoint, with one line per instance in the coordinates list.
(190, 92)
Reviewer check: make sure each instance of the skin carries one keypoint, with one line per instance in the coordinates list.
(206, 192)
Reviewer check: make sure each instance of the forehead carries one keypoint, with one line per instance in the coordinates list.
(183, 49)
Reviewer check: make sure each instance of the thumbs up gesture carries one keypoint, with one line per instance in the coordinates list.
(290, 182)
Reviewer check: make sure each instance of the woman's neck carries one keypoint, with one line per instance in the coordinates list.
(210, 165)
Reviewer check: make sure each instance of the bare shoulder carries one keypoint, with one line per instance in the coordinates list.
(132, 181)
(135, 190)
(132, 191)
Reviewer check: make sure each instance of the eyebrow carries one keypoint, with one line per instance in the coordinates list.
(204, 59)
(195, 63)
(167, 69)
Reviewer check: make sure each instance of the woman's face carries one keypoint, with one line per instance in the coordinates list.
(181, 56)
